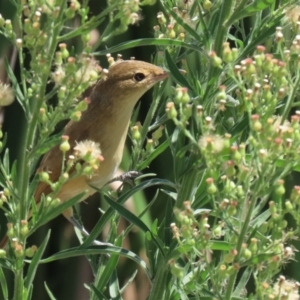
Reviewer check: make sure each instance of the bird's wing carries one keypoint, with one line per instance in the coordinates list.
(52, 161)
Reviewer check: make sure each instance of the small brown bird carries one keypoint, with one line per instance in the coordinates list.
(106, 122)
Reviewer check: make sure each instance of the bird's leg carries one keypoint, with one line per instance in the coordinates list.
(77, 224)
(127, 177)
(69, 215)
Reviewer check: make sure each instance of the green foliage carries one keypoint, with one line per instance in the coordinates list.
(229, 127)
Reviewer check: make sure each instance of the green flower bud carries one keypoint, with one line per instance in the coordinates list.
(82, 105)
(264, 227)
(44, 177)
(2, 253)
(171, 110)
(24, 228)
(2, 21)
(272, 207)
(76, 116)
(207, 5)
(246, 253)
(55, 202)
(65, 146)
(88, 170)
(70, 13)
(6, 192)
(253, 245)
(149, 146)
(217, 61)
(136, 135)
(29, 252)
(289, 206)
(231, 211)
(64, 52)
(19, 252)
(228, 258)
(280, 190)
(177, 271)
(157, 134)
(211, 187)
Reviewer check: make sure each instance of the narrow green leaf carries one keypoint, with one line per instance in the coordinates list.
(220, 245)
(35, 262)
(125, 213)
(100, 295)
(107, 268)
(258, 259)
(168, 220)
(107, 215)
(249, 10)
(3, 285)
(159, 150)
(182, 23)
(98, 249)
(44, 218)
(5, 263)
(16, 87)
(45, 145)
(148, 42)
(5, 160)
(243, 282)
(129, 281)
(176, 75)
(51, 296)
(114, 289)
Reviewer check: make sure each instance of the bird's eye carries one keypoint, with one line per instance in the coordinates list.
(139, 76)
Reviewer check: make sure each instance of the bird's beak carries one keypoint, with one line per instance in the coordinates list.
(162, 76)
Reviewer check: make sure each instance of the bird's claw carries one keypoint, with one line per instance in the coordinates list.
(128, 177)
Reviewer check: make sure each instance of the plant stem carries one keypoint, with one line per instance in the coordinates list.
(220, 35)
(242, 235)
(289, 103)
(160, 283)
(24, 162)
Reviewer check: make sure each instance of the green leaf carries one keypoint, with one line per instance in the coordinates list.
(5, 162)
(257, 259)
(100, 295)
(44, 146)
(114, 290)
(108, 214)
(51, 296)
(148, 42)
(264, 33)
(247, 11)
(176, 75)
(5, 263)
(44, 218)
(16, 87)
(243, 282)
(3, 285)
(107, 267)
(125, 213)
(182, 23)
(35, 262)
(168, 220)
(220, 245)
(159, 150)
(98, 249)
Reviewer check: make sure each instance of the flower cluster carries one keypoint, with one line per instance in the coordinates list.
(168, 26)
(244, 172)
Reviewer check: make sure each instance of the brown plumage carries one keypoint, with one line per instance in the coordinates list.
(105, 122)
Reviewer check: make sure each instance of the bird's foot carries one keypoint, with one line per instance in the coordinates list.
(128, 177)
